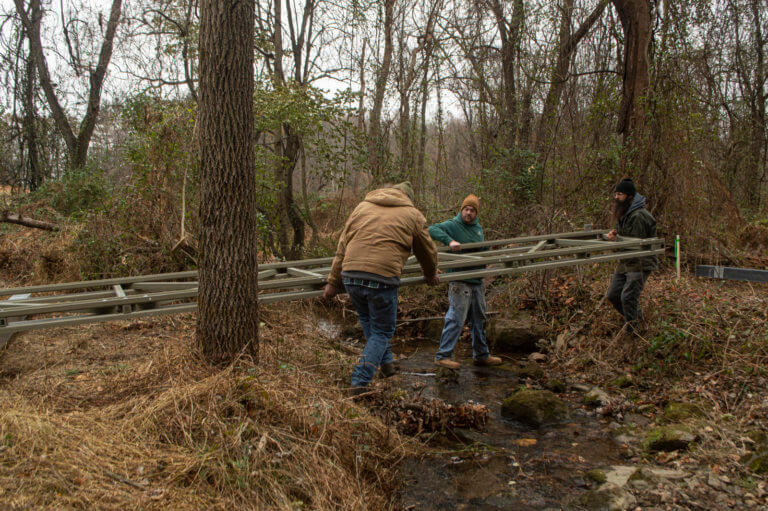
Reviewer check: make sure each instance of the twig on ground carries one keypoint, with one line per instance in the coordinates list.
(123, 480)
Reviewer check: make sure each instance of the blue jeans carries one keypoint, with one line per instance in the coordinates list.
(377, 310)
(624, 294)
(467, 300)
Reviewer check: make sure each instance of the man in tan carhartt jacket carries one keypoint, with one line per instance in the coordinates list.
(374, 245)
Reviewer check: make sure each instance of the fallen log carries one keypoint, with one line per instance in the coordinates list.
(13, 218)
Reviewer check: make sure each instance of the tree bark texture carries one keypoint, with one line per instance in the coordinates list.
(77, 145)
(375, 146)
(288, 143)
(509, 34)
(568, 42)
(288, 148)
(227, 318)
(34, 172)
(635, 16)
(759, 138)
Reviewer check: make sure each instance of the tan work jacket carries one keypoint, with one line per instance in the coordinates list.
(379, 235)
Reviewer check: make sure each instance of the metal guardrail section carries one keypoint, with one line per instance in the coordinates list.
(92, 301)
(729, 273)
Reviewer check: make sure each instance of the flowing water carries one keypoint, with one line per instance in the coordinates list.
(507, 465)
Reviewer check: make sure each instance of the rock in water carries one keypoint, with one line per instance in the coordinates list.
(514, 334)
(535, 408)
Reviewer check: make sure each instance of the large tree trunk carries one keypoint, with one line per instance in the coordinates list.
(566, 48)
(758, 150)
(34, 172)
(227, 320)
(288, 149)
(77, 145)
(375, 147)
(509, 35)
(635, 16)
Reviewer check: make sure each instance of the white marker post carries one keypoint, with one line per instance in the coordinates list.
(677, 255)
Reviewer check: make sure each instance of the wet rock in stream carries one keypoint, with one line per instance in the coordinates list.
(530, 370)
(514, 333)
(535, 408)
(608, 497)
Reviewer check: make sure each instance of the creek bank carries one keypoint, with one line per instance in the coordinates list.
(602, 454)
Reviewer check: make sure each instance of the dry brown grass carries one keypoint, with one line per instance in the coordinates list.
(702, 341)
(127, 416)
(31, 256)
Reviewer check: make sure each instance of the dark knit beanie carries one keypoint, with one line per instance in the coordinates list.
(626, 186)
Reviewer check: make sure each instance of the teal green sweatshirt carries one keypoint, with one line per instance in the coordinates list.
(456, 230)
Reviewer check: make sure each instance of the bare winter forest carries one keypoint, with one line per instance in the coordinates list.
(168, 135)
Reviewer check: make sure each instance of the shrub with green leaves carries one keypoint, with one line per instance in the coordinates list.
(80, 192)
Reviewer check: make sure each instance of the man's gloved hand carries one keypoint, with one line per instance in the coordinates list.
(329, 291)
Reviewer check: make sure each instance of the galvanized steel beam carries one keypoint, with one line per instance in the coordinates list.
(172, 293)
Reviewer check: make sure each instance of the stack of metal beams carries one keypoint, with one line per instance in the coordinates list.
(75, 303)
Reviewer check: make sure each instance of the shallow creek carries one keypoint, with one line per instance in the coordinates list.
(507, 465)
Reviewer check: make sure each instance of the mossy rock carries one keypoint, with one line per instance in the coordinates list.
(608, 497)
(596, 397)
(673, 437)
(555, 386)
(535, 408)
(597, 476)
(758, 463)
(445, 374)
(680, 411)
(531, 370)
(621, 382)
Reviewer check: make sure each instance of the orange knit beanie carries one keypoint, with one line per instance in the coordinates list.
(471, 200)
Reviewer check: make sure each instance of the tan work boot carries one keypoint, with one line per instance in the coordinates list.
(447, 362)
(490, 361)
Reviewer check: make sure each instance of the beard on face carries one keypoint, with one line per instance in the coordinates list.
(620, 208)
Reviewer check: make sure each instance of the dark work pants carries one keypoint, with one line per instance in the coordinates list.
(624, 294)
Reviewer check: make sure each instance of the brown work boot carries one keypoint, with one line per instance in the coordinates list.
(447, 362)
(488, 361)
(388, 369)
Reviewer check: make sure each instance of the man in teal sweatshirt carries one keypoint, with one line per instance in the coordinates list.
(467, 297)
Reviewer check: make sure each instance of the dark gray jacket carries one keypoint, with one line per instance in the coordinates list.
(637, 222)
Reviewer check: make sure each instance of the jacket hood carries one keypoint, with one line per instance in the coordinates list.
(637, 203)
(461, 221)
(388, 197)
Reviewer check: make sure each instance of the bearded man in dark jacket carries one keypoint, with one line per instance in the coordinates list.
(633, 221)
